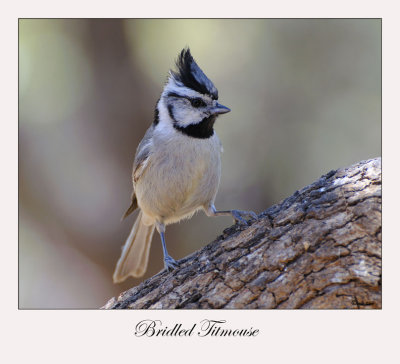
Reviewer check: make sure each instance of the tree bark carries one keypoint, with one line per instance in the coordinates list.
(319, 248)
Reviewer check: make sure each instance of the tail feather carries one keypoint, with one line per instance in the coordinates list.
(135, 253)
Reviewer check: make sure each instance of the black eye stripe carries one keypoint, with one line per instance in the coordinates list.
(195, 102)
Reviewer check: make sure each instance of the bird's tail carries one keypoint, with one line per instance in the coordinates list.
(135, 253)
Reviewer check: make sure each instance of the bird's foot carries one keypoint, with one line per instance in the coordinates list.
(241, 217)
(170, 263)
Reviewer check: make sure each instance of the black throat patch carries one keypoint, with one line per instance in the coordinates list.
(202, 130)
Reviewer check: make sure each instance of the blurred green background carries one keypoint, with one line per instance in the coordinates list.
(305, 96)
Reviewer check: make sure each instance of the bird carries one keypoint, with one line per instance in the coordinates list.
(177, 165)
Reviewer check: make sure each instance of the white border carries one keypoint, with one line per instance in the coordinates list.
(286, 336)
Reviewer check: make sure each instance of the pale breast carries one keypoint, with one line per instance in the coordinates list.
(182, 175)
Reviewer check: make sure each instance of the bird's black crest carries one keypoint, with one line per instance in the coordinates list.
(191, 76)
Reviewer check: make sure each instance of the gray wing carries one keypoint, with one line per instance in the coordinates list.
(142, 154)
(132, 207)
(139, 165)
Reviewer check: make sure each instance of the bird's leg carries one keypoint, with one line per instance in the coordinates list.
(169, 262)
(239, 216)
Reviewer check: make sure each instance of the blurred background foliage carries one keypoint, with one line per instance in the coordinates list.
(305, 96)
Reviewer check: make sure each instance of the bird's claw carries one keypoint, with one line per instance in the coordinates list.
(170, 263)
(242, 216)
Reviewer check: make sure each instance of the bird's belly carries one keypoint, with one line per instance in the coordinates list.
(176, 184)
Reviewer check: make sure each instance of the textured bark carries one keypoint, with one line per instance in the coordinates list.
(319, 248)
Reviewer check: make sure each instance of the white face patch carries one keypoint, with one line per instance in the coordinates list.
(180, 108)
(185, 114)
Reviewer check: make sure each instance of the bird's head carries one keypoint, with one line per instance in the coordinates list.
(190, 98)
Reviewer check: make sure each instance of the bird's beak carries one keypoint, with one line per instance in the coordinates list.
(219, 109)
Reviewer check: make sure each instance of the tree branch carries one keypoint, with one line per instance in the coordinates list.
(319, 248)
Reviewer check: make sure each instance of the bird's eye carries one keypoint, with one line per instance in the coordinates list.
(197, 102)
